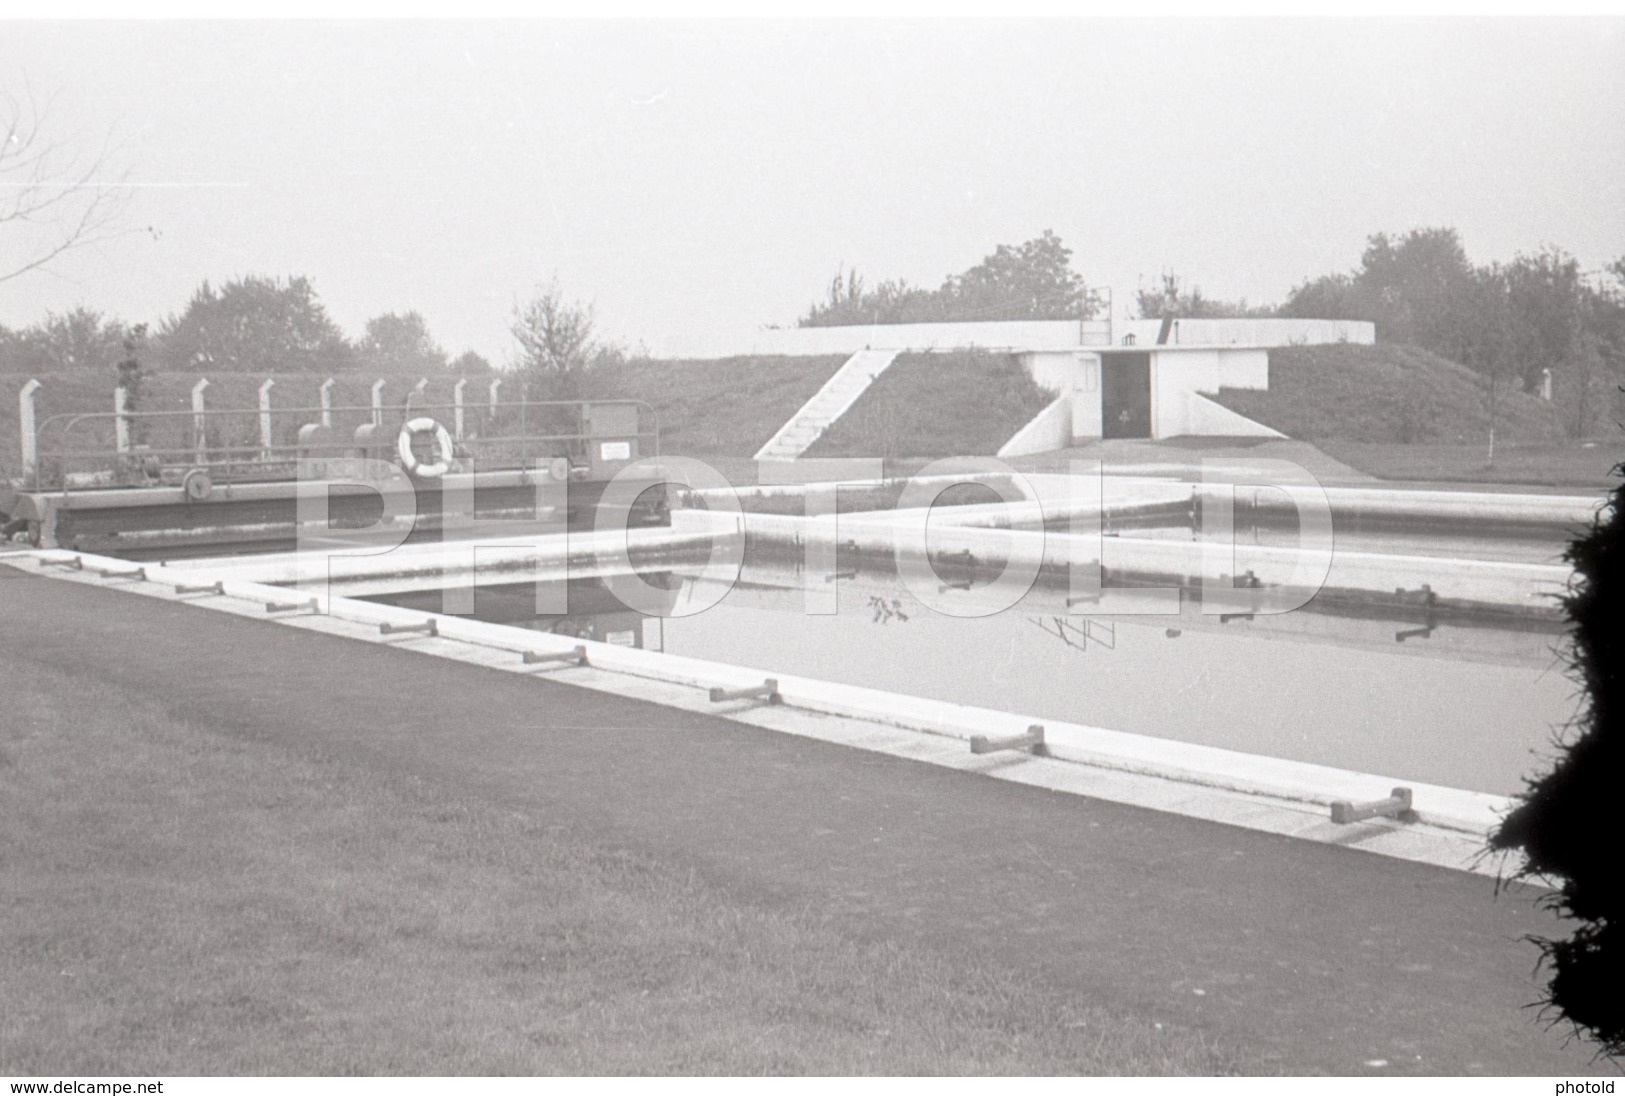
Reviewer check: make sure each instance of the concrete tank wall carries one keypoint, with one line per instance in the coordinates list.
(1265, 332)
(1004, 335)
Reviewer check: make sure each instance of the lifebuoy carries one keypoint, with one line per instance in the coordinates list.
(409, 460)
(197, 484)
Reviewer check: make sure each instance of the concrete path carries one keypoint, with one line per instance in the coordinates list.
(1310, 958)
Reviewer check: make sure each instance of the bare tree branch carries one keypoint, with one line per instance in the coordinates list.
(54, 196)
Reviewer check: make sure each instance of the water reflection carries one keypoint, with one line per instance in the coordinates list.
(1400, 692)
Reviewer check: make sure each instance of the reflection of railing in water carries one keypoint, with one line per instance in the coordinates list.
(1103, 633)
(144, 448)
(886, 611)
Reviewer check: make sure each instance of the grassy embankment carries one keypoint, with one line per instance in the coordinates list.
(181, 899)
(1399, 412)
(964, 403)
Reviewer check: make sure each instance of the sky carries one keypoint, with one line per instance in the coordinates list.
(697, 180)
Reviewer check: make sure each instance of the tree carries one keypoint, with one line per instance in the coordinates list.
(400, 342)
(254, 324)
(1486, 339)
(54, 197)
(892, 301)
(1413, 282)
(1170, 299)
(132, 379)
(469, 362)
(555, 337)
(1409, 286)
(1567, 825)
(1545, 299)
(81, 338)
(1328, 297)
(1032, 281)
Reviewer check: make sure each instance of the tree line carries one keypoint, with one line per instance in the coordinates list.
(258, 324)
(252, 324)
(1029, 281)
(1507, 321)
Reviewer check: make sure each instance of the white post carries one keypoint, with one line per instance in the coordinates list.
(265, 416)
(496, 384)
(121, 421)
(327, 402)
(26, 423)
(457, 405)
(1546, 385)
(378, 403)
(200, 424)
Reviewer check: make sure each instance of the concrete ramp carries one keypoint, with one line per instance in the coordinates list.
(829, 403)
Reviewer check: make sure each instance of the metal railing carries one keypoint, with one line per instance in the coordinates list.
(148, 448)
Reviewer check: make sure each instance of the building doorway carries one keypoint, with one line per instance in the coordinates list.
(1125, 394)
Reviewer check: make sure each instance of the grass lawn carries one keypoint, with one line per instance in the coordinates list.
(1554, 464)
(182, 900)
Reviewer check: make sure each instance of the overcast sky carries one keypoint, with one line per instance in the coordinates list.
(699, 179)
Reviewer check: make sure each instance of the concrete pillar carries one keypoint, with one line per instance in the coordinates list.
(378, 402)
(496, 384)
(457, 406)
(266, 438)
(327, 402)
(28, 427)
(121, 419)
(200, 423)
(415, 399)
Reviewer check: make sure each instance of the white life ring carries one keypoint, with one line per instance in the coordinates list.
(409, 460)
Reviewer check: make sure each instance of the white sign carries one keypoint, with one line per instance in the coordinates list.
(615, 450)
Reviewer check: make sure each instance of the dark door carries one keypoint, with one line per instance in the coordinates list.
(1126, 395)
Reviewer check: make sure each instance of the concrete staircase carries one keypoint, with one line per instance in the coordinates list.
(829, 403)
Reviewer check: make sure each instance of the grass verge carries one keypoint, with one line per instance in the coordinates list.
(1556, 464)
(180, 900)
